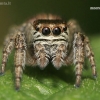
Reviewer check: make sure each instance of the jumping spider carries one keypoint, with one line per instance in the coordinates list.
(47, 38)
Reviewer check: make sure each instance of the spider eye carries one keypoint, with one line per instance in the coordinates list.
(37, 28)
(65, 28)
(45, 31)
(56, 31)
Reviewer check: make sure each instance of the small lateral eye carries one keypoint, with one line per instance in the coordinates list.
(65, 28)
(56, 31)
(45, 31)
(37, 28)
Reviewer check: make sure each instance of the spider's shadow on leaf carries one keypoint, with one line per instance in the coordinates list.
(65, 73)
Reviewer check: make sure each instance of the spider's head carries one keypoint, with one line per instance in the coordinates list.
(50, 40)
(50, 27)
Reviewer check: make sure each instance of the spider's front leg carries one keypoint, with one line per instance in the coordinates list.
(78, 47)
(90, 56)
(8, 47)
(20, 55)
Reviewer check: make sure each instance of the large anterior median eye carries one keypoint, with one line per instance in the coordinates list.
(56, 31)
(45, 31)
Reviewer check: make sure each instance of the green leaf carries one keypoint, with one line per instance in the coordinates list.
(52, 84)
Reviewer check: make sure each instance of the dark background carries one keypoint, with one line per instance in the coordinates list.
(21, 10)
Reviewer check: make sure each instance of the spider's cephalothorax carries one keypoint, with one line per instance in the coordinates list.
(44, 39)
(50, 42)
